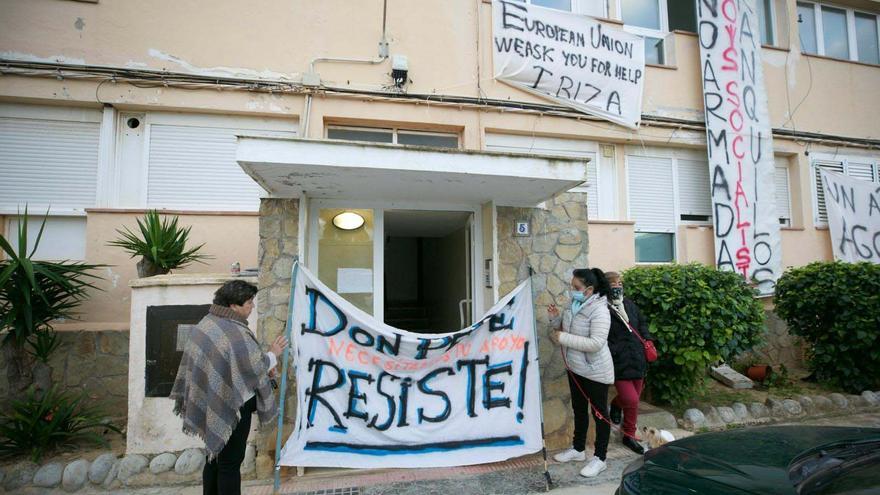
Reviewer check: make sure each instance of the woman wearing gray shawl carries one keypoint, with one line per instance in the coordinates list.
(223, 378)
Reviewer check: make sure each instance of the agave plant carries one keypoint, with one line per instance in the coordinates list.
(35, 293)
(40, 422)
(161, 244)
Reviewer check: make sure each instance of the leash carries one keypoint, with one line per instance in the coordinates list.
(596, 413)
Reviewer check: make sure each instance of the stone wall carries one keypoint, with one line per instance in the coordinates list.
(95, 363)
(558, 243)
(779, 347)
(279, 234)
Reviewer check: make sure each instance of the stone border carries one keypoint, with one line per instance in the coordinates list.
(110, 472)
(777, 410)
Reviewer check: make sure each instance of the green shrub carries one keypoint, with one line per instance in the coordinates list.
(161, 243)
(37, 424)
(835, 307)
(697, 315)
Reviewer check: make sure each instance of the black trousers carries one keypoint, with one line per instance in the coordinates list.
(222, 476)
(598, 394)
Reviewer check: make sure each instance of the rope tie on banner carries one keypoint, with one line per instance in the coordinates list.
(596, 413)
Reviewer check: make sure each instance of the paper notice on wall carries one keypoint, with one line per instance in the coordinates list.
(571, 59)
(354, 280)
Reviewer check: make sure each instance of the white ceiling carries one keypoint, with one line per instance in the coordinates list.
(415, 223)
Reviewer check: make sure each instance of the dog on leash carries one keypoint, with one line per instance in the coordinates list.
(655, 437)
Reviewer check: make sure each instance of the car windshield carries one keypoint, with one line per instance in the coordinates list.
(813, 472)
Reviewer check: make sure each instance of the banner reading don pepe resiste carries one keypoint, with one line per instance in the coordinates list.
(370, 395)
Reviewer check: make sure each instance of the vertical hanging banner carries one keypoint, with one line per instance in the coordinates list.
(853, 217)
(739, 142)
(571, 59)
(369, 395)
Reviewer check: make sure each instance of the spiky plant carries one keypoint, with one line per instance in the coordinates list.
(161, 242)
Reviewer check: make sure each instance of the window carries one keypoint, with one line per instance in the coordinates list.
(839, 33)
(783, 199)
(191, 161)
(48, 157)
(64, 238)
(767, 21)
(858, 167)
(394, 136)
(666, 188)
(647, 18)
(595, 8)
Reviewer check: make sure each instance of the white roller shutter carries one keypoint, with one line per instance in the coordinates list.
(694, 197)
(47, 162)
(834, 166)
(194, 168)
(651, 189)
(559, 147)
(860, 168)
(780, 182)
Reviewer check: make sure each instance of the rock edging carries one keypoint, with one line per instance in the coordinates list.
(775, 410)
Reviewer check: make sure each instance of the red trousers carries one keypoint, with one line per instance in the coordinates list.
(628, 393)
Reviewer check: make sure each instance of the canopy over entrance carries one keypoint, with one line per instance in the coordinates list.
(288, 168)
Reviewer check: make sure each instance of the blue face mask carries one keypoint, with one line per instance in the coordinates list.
(577, 296)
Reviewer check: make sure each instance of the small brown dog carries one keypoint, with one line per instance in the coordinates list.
(655, 437)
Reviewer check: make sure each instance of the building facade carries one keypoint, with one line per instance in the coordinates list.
(110, 108)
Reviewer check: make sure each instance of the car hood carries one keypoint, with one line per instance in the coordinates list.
(752, 459)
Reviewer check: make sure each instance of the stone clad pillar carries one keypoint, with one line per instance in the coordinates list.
(557, 244)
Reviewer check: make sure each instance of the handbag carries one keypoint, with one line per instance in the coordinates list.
(650, 349)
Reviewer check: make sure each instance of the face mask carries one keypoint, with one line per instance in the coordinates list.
(617, 293)
(577, 296)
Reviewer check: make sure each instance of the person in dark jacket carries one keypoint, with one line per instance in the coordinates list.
(628, 354)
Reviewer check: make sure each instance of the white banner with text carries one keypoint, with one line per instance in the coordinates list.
(369, 395)
(739, 142)
(853, 208)
(571, 59)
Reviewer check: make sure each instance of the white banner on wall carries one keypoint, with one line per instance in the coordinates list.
(853, 217)
(739, 142)
(369, 395)
(572, 59)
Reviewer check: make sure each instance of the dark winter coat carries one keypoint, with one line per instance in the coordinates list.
(627, 350)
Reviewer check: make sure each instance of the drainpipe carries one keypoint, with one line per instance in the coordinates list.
(312, 78)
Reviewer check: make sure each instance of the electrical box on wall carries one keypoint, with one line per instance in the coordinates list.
(487, 273)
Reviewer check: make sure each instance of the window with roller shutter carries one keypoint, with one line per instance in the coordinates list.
(857, 167)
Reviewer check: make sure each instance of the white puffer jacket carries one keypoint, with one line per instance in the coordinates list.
(585, 339)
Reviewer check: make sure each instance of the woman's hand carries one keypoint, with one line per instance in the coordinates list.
(554, 336)
(278, 346)
(552, 311)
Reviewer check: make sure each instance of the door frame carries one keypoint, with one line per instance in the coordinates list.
(475, 233)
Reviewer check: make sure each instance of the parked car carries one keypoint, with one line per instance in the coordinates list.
(778, 460)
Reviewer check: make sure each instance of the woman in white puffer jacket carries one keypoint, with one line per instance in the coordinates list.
(582, 332)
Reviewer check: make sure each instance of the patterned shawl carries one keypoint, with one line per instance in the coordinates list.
(222, 367)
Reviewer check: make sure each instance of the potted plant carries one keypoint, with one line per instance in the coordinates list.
(161, 245)
(33, 294)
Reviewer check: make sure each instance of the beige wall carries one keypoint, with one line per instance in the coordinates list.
(448, 45)
(228, 238)
(612, 247)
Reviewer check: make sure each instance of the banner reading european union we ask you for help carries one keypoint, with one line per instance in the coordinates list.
(853, 217)
(572, 59)
(739, 142)
(370, 395)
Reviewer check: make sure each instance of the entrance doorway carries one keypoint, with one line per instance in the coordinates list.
(427, 270)
(413, 269)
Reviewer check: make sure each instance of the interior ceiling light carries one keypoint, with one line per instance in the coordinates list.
(348, 220)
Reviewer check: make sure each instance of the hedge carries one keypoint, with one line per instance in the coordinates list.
(698, 316)
(835, 307)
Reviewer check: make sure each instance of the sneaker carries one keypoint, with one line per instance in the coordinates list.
(570, 455)
(616, 414)
(633, 445)
(593, 468)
